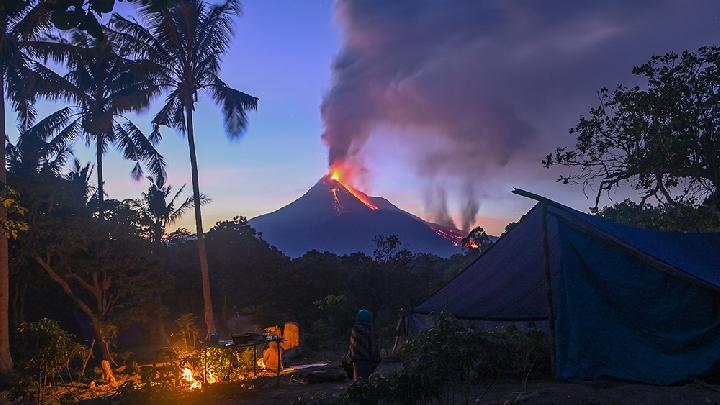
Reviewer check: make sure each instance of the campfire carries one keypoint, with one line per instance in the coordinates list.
(235, 360)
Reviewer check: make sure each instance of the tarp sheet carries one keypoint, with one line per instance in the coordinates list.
(506, 283)
(618, 316)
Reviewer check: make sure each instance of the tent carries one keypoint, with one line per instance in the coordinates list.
(618, 301)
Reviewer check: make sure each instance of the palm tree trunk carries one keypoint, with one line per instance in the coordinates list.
(99, 165)
(6, 363)
(202, 252)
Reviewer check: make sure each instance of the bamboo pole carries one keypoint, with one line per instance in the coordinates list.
(548, 288)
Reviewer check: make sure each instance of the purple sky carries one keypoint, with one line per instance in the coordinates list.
(412, 72)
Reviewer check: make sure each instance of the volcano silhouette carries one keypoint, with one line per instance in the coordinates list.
(337, 218)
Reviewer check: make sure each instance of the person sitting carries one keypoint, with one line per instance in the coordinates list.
(364, 351)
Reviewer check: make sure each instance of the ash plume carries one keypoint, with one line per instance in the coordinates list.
(470, 208)
(493, 84)
(436, 206)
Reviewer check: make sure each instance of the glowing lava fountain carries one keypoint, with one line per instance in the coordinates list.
(337, 174)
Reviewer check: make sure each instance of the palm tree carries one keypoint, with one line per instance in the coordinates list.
(79, 179)
(21, 80)
(105, 87)
(162, 211)
(188, 41)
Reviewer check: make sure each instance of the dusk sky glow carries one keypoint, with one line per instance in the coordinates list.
(540, 65)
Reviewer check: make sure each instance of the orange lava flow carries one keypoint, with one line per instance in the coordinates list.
(337, 200)
(336, 174)
(454, 236)
(361, 196)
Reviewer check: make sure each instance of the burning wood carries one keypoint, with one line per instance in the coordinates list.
(235, 360)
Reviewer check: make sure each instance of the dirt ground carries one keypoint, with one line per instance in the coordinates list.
(496, 393)
(506, 392)
(500, 393)
(270, 390)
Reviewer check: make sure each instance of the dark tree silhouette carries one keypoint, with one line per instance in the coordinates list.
(162, 208)
(661, 139)
(188, 41)
(21, 80)
(105, 87)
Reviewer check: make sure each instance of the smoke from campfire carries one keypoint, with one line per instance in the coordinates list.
(415, 67)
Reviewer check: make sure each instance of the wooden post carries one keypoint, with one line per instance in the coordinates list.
(204, 366)
(548, 288)
(279, 359)
(254, 360)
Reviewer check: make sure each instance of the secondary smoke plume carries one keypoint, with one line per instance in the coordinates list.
(436, 206)
(476, 85)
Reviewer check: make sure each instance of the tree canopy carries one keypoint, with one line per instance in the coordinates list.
(661, 139)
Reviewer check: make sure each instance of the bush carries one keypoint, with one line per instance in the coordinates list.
(442, 358)
(47, 355)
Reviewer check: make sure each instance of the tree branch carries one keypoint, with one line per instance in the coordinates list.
(65, 286)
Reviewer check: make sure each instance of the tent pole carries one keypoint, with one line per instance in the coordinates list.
(548, 289)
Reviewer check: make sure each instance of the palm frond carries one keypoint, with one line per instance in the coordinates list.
(52, 124)
(133, 39)
(171, 115)
(137, 172)
(50, 85)
(21, 94)
(218, 29)
(64, 138)
(235, 105)
(33, 22)
(55, 49)
(187, 204)
(137, 147)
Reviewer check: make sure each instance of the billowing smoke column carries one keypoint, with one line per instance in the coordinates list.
(480, 88)
(414, 65)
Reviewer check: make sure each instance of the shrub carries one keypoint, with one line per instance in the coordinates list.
(47, 355)
(441, 358)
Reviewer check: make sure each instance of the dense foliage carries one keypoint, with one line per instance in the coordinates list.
(46, 355)
(440, 363)
(320, 290)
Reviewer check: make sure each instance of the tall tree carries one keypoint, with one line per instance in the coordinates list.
(105, 87)
(188, 40)
(103, 267)
(21, 79)
(661, 139)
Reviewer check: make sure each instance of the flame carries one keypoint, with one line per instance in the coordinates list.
(261, 363)
(472, 244)
(188, 377)
(342, 173)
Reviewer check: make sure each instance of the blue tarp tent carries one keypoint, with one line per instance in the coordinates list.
(623, 302)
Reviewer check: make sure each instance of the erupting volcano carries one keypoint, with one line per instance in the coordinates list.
(337, 217)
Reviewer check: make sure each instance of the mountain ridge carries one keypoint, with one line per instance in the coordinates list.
(332, 216)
